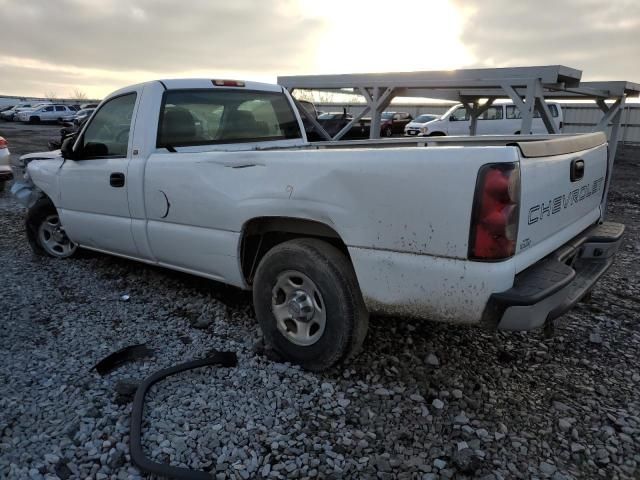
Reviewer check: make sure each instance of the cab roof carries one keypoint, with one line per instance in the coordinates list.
(187, 83)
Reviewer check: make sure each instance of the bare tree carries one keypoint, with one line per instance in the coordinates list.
(78, 94)
(50, 95)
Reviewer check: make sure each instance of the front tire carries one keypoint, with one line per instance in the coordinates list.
(309, 305)
(34, 119)
(45, 232)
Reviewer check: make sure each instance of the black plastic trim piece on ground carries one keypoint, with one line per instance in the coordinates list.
(126, 354)
(222, 359)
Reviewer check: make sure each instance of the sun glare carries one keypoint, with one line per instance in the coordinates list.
(376, 36)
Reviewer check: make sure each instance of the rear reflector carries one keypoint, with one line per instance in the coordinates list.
(496, 208)
(228, 83)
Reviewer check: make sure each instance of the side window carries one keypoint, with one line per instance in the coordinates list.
(514, 113)
(60, 108)
(492, 113)
(460, 114)
(108, 133)
(215, 116)
(48, 109)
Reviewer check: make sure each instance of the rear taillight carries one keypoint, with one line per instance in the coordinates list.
(496, 207)
(3, 143)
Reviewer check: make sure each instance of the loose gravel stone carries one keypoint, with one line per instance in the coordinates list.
(433, 360)
(495, 405)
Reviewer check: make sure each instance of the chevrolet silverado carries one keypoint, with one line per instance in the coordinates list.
(217, 178)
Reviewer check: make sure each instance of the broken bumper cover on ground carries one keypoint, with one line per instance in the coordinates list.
(549, 288)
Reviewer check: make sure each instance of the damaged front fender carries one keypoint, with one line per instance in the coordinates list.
(25, 191)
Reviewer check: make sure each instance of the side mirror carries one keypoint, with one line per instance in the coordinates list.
(452, 118)
(67, 148)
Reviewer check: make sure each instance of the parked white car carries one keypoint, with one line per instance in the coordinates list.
(5, 168)
(46, 113)
(10, 114)
(499, 119)
(413, 127)
(217, 179)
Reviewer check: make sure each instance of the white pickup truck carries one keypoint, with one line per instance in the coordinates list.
(217, 178)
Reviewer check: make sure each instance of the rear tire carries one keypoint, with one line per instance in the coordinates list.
(437, 134)
(45, 233)
(308, 303)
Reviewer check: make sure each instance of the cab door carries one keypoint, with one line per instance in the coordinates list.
(459, 122)
(93, 186)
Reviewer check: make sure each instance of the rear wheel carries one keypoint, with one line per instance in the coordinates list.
(45, 232)
(437, 134)
(309, 305)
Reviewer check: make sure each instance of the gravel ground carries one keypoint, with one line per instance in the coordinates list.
(424, 400)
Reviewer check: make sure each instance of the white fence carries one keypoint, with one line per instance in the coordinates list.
(578, 117)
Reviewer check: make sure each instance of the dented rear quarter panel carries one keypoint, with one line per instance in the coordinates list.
(413, 200)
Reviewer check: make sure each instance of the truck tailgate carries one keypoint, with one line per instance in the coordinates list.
(562, 183)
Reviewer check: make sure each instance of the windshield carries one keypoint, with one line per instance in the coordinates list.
(387, 115)
(425, 118)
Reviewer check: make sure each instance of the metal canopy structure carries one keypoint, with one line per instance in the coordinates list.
(527, 87)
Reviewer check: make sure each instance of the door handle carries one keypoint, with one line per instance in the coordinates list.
(116, 179)
(577, 170)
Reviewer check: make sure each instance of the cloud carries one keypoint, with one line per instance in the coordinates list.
(165, 36)
(599, 38)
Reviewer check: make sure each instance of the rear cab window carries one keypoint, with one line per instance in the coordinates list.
(217, 116)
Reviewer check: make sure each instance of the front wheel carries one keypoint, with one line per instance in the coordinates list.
(309, 305)
(45, 232)
(34, 119)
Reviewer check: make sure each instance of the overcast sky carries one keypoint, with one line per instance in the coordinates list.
(101, 45)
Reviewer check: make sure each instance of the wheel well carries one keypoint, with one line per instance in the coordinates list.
(260, 235)
(437, 134)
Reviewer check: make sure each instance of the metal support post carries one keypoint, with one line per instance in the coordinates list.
(542, 107)
(617, 108)
(475, 110)
(379, 102)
